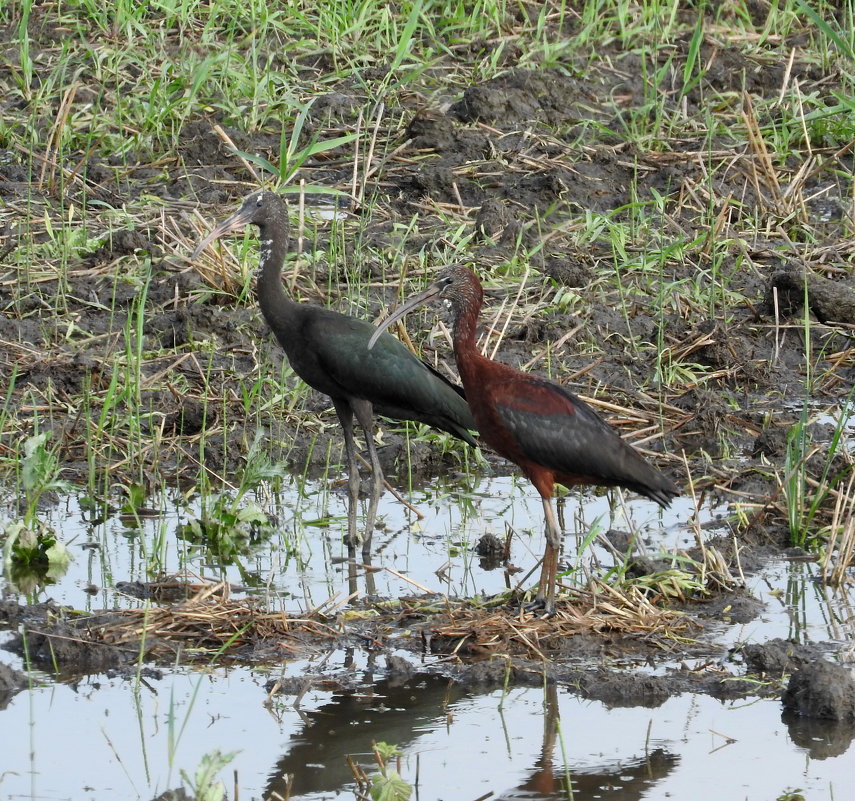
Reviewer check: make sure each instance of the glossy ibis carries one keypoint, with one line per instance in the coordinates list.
(329, 351)
(553, 436)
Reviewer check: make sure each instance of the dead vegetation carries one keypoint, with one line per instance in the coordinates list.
(211, 624)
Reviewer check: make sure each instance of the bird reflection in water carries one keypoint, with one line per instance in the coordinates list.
(401, 708)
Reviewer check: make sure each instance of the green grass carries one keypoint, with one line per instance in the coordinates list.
(111, 115)
(807, 487)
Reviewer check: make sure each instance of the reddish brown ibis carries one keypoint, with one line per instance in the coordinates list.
(553, 436)
(329, 351)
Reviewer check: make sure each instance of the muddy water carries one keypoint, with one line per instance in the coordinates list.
(106, 737)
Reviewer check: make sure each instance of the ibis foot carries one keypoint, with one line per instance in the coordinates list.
(547, 606)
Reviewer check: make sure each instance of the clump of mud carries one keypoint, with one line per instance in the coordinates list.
(830, 301)
(777, 658)
(822, 689)
(11, 682)
(54, 637)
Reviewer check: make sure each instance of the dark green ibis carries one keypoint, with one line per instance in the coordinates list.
(552, 435)
(329, 351)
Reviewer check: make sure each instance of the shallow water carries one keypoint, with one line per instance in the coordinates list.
(433, 553)
(412, 555)
(106, 737)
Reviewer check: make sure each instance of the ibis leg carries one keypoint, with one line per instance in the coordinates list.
(546, 587)
(365, 416)
(353, 568)
(345, 416)
(370, 587)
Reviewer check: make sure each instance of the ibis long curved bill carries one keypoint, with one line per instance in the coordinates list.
(434, 291)
(240, 219)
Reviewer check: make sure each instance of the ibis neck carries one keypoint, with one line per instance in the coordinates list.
(466, 352)
(272, 298)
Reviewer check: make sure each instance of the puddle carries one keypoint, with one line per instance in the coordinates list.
(115, 737)
(434, 553)
(118, 740)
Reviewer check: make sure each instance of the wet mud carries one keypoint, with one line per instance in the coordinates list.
(413, 640)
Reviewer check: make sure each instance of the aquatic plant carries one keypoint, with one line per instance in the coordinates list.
(32, 551)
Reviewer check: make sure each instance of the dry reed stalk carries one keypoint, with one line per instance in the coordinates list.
(841, 538)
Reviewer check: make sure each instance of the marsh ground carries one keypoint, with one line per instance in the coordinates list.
(658, 199)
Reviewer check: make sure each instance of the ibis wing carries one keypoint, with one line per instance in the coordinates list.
(398, 384)
(555, 429)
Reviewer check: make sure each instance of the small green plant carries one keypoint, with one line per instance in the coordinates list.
(692, 71)
(292, 156)
(39, 473)
(204, 784)
(386, 783)
(32, 552)
(229, 524)
(228, 527)
(135, 498)
(804, 494)
(33, 555)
